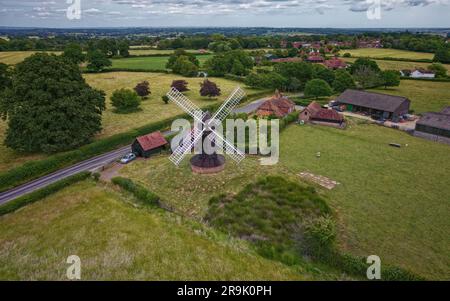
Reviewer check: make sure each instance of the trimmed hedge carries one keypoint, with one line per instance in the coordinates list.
(129, 70)
(446, 79)
(35, 169)
(145, 196)
(357, 266)
(42, 193)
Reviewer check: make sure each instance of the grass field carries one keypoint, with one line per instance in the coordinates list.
(155, 63)
(386, 52)
(153, 109)
(391, 202)
(116, 241)
(14, 57)
(399, 65)
(154, 51)
(424, 96)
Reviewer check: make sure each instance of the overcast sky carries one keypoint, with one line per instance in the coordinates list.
(267, 13)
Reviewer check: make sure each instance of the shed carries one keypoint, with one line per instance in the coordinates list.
(150, 144)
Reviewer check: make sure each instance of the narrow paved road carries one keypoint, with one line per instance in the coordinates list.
(90, 164)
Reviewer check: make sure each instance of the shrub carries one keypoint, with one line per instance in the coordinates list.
(209, 89)
(180, 85)
(145, 196)
(317, 88)
(165, 99)
(347, 55)
(143, 89)
(41, 193)
(125, 101)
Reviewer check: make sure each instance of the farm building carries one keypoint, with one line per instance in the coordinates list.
(418, 73)
(147, 145)
(335, 63)
(374, 104)
(278, 105)
(315, 114)
(434, 126)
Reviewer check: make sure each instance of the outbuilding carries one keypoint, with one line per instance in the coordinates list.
(150, 144)
(434, 126)
(375, 104)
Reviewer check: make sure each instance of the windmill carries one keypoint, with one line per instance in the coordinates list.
(206, 163)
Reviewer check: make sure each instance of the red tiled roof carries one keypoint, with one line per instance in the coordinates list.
(152, 141)
(313, 108)
(277, 105)
(335, 63)
(326, 114)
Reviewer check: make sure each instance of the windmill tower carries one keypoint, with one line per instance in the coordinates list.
(206, 163)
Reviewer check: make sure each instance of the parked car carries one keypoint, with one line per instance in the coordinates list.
(128, 158)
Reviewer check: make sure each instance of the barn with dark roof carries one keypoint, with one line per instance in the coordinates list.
(150, 144)
(375, 104)
(434, 126)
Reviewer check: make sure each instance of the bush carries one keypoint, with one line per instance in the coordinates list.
(125, 101)
(165, 99)
(347, 55)
(145, 196)
(41, 193)
(143, 89)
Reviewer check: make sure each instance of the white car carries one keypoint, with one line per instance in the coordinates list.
(128, 158)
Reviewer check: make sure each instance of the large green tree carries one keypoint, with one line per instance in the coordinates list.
(442, 55)
(74, 53)
(364, 63)
(438, 69)
(391, 78)
(235, 62)
(49, 106)
(317, 88)
(97, 61)
(343, 81)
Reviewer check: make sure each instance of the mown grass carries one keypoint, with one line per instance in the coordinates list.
(399, 65)
(391, 202)
(424, 96)
(153, 109)
(116, 241)
(150, 63)
(386, 52)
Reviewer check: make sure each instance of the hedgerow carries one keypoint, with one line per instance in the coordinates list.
(42, 193)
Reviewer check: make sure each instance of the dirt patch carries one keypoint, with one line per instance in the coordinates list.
(111, 172)
(321, 180)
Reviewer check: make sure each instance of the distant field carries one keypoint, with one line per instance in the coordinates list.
(154, 51)
(385, 52)
(155, 63)
(15, 57)
(153, 109)
(424, 96)
(391, 202)
(399, 65)
(116, 241)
